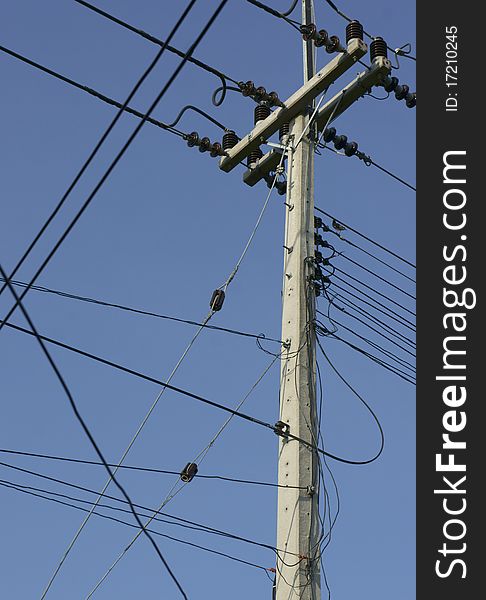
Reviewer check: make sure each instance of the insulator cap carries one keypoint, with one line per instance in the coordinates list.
(248, 88)
(321, 39)
(262, 111)
(340, 142)
(351, 148)
(401, 91)
(189, 472)
(216, 150)
(192, 139)
(230, 139)
(318, 222)
(329, 134)
(333, 44)
(378, 48)
(354, 31)
(204, 144)
(308, 31)
(391, 84)
(411, 100)
(217, 300)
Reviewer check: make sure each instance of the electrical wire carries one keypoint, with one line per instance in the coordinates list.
(91, 91)
(368, 239)
(93, 154)
(88, 433)
(368, 161)
(385, 326)
(124, 148)
(260, 336)
(19, 488)
(275, 13)
(145, 469)
(396, 287)
(371, 37)
(151, 38)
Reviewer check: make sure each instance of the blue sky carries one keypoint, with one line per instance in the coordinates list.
(165, 231)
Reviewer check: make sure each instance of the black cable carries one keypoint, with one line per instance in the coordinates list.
(377, 331)
(222, 407)
(376, 258)
(371, 37)
(377, 308)
(275, 13)
(403, 363)
(152, 531)
(363, 401)
(87, 431)
(151, 38)
(376, 275)
(91, 91)
(378, 245)
(368, 161)
(200, 112)
(123, 149)
(62, 294)
(372, 289)
(146, 469)
(93, 155)
(178, 521)
(385, 326)
(375, 359)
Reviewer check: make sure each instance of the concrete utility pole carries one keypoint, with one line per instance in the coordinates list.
(298, 509)
(298, 531)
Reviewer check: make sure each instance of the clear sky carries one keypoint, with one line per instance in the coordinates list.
(165, 231)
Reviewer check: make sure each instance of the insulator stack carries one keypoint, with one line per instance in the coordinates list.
(262, 111)
(354, 31)
(333, 44)
(322, 38)
(340, 141)
(259, 94)
(378, 48)
(254, 156)
(204, 144)
(283, 131)
(402, 92)
(230, 139)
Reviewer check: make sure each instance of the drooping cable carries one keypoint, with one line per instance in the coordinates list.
(124, 148)
(88, 433)
(155, 40)
(91, 91)
(260, 336)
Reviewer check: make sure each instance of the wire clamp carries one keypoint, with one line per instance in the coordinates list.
(282, 429)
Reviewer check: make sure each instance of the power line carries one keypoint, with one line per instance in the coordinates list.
(87, 430)
(372, 289)
(398, 288)
(371, 37)
(368, 239)
(151, 38)
(368, 161)
(130, 309)
(362, 298)
(385, 326)
(212, 403)
(123, 149)
(275, 13)
(18, 488)
(91, 91)
(143, 469)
